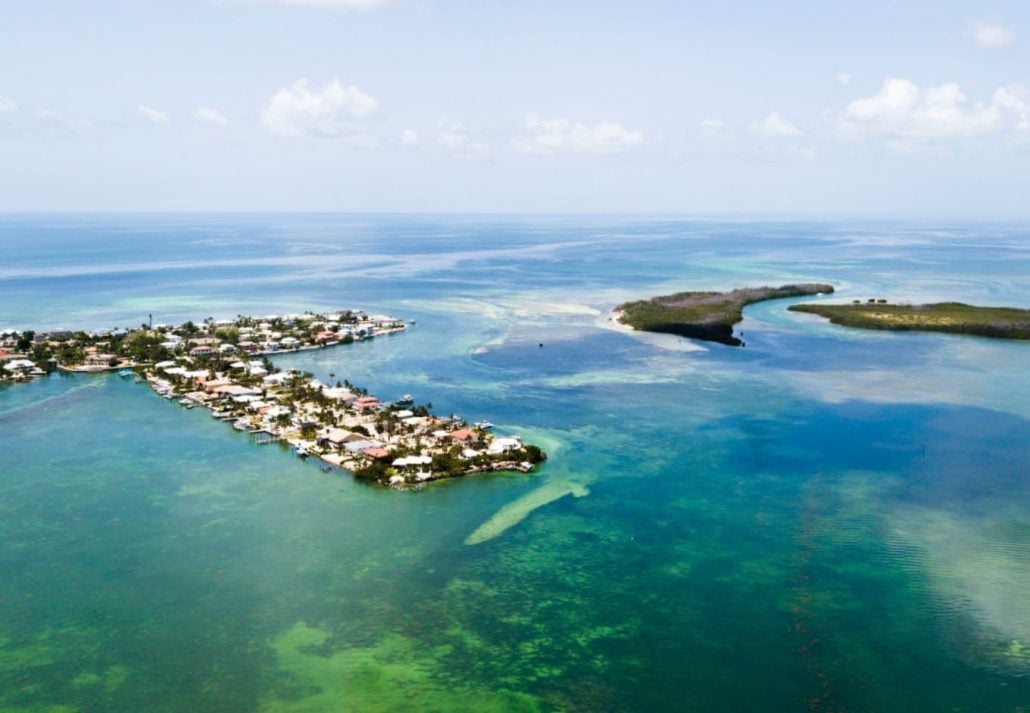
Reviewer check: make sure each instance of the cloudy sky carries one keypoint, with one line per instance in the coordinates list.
(737, 107)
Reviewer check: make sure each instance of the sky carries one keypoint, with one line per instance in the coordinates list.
(730, 108)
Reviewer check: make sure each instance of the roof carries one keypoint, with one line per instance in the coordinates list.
(236, 390)
(499, 445)
(16, 364)
(334, 435)
(375, 452)
(463, 434)
(338, 393)
(412, 460)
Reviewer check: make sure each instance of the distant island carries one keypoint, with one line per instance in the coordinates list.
(949, 317)
(224, 366)
(706, 315)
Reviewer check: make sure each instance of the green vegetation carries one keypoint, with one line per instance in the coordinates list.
(950, 317)
(390, 676)
(706, 315)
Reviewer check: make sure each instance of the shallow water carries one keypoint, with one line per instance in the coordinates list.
(826, 519)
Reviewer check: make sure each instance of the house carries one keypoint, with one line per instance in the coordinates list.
(463, 435)
(339, 394)
(366, 403)
(357, 447)
(201, 351)
(503, 445)
(412, 461)
(101, 359)
(255, 369)
(214, 384)
(235, 390)
(19, 365)
(332, 437)
(375, 453)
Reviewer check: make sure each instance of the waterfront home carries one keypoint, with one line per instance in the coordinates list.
(201, 351)
(356, 447)
(412, 462)
(366, 403)
(212, 385)
(101, 359)
(502, 445)
(463, 434)
(339, 394)
(332, 437)
(19, 365)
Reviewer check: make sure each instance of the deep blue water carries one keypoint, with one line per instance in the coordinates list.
(826, 519)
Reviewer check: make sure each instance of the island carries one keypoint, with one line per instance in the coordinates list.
(949, 317)
(709, 316)
(226, 367)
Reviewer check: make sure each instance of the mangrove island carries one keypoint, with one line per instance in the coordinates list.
(709, 316)
(949, 317)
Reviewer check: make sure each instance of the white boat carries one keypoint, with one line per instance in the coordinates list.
(485, 425)
(240, 425)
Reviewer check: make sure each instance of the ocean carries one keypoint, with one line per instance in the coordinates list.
(826, 519)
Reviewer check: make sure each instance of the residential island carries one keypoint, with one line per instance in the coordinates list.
(949, 317)
(709, 316)
(225, 367)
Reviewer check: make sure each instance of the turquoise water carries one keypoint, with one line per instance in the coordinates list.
(824, 520)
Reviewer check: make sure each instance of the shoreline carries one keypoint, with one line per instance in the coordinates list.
(227, 368)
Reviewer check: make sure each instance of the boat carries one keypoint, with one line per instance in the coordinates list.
(485, 425)
(302, 452)
(126, 373)
(406, 400)
(240, 425)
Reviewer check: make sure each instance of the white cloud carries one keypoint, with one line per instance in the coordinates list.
(56, 123)
(991, 34)
(339, 4)
(551, 136)
(775, 126)
(844, 78)
(331, 111)
(455, 138)
(712, 125)
(409, 137)
(907, 115)
(7, 105)
(209, 116)
(154, 116)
